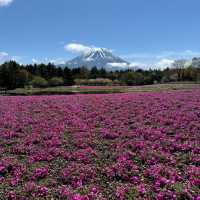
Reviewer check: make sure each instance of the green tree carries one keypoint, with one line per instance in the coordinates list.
(94, 73)
(22, 78)
(8, 73)
(56, 81)
(39, 82)
(67, 75)
(133, 78)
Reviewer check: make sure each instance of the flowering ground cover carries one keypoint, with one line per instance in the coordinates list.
(111, 146)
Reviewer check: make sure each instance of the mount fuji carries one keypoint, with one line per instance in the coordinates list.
(98, 57)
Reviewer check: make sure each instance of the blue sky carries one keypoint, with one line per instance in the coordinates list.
(141, 31)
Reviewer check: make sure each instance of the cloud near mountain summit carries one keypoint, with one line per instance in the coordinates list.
(5, 2)
(78, 48)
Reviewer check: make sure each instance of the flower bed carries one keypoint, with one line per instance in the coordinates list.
(87, 147)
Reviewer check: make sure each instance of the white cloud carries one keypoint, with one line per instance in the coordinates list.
(17, 58)
(57, 61)
(82, 49)
(34, 61)
(77, 48)
(121, 65)
(137, 64)
(164, 63)
(5, 2)
(3, 57)
(161, 60)
(186, 54)
(126, 65)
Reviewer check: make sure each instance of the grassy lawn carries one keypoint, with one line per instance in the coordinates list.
(102, 89)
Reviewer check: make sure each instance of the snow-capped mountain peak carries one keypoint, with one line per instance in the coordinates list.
(99, 57)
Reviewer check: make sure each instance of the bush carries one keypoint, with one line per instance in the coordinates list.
(94, 82)
(56, 81)
(39, 82)
(117, 83)
(133, 78)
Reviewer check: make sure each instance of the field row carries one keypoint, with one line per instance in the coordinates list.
(66, 90)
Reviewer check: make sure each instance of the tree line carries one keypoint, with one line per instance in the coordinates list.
(14, 75)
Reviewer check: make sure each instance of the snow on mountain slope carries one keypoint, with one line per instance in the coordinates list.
(98, 57)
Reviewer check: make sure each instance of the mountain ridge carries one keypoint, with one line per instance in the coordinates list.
(97, 57)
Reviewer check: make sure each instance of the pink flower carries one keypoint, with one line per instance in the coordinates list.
(30, 187)
(11, 196)
(141, 189)
(40, 173)
(42, 191)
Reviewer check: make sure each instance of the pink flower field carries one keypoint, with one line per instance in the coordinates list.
(88, 147)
